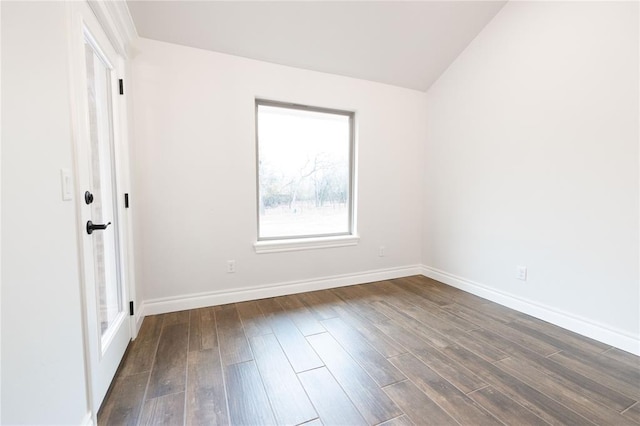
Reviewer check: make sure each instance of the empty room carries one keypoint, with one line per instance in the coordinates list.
(319, 212)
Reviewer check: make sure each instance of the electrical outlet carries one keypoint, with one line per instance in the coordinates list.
(231, 266)
(381, 251)
(521, 273)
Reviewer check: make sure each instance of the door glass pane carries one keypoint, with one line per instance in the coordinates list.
(108, 288)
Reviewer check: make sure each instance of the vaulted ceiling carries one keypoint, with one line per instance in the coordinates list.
(407, 44)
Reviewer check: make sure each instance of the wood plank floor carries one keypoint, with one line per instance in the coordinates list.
(398, 352)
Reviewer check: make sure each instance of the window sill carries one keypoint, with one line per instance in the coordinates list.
(277, 246)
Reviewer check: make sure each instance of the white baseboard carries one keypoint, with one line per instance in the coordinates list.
(602, 333)
(608, 335)
(201, 300)
(139, 318)
(87, 420)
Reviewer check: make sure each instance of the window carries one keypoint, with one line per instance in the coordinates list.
(305, 171)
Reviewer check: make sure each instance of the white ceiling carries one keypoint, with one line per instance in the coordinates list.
(407, 44)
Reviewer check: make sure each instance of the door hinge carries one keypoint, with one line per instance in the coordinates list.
(121, 83)
(131, 308)
(126, 200)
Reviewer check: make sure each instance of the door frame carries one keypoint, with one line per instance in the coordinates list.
(78, 14)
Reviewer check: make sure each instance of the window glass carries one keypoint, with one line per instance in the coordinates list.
(304, 171)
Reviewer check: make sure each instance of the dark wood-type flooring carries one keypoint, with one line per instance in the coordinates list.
(398, 352)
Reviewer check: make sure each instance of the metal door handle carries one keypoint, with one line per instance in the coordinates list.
(88, 197)
(95, 226)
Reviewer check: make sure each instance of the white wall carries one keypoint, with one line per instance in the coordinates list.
(42, 353)
(532, 159)
(195, 173)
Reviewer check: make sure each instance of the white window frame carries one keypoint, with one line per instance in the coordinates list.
(306, 242)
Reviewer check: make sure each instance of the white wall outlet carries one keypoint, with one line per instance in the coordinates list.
(381, 251)
(231, 266)
(521, 272)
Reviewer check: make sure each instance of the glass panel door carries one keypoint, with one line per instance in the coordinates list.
(103, 207)
(99, 144)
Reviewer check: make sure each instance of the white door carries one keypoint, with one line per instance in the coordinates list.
(99, 108)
